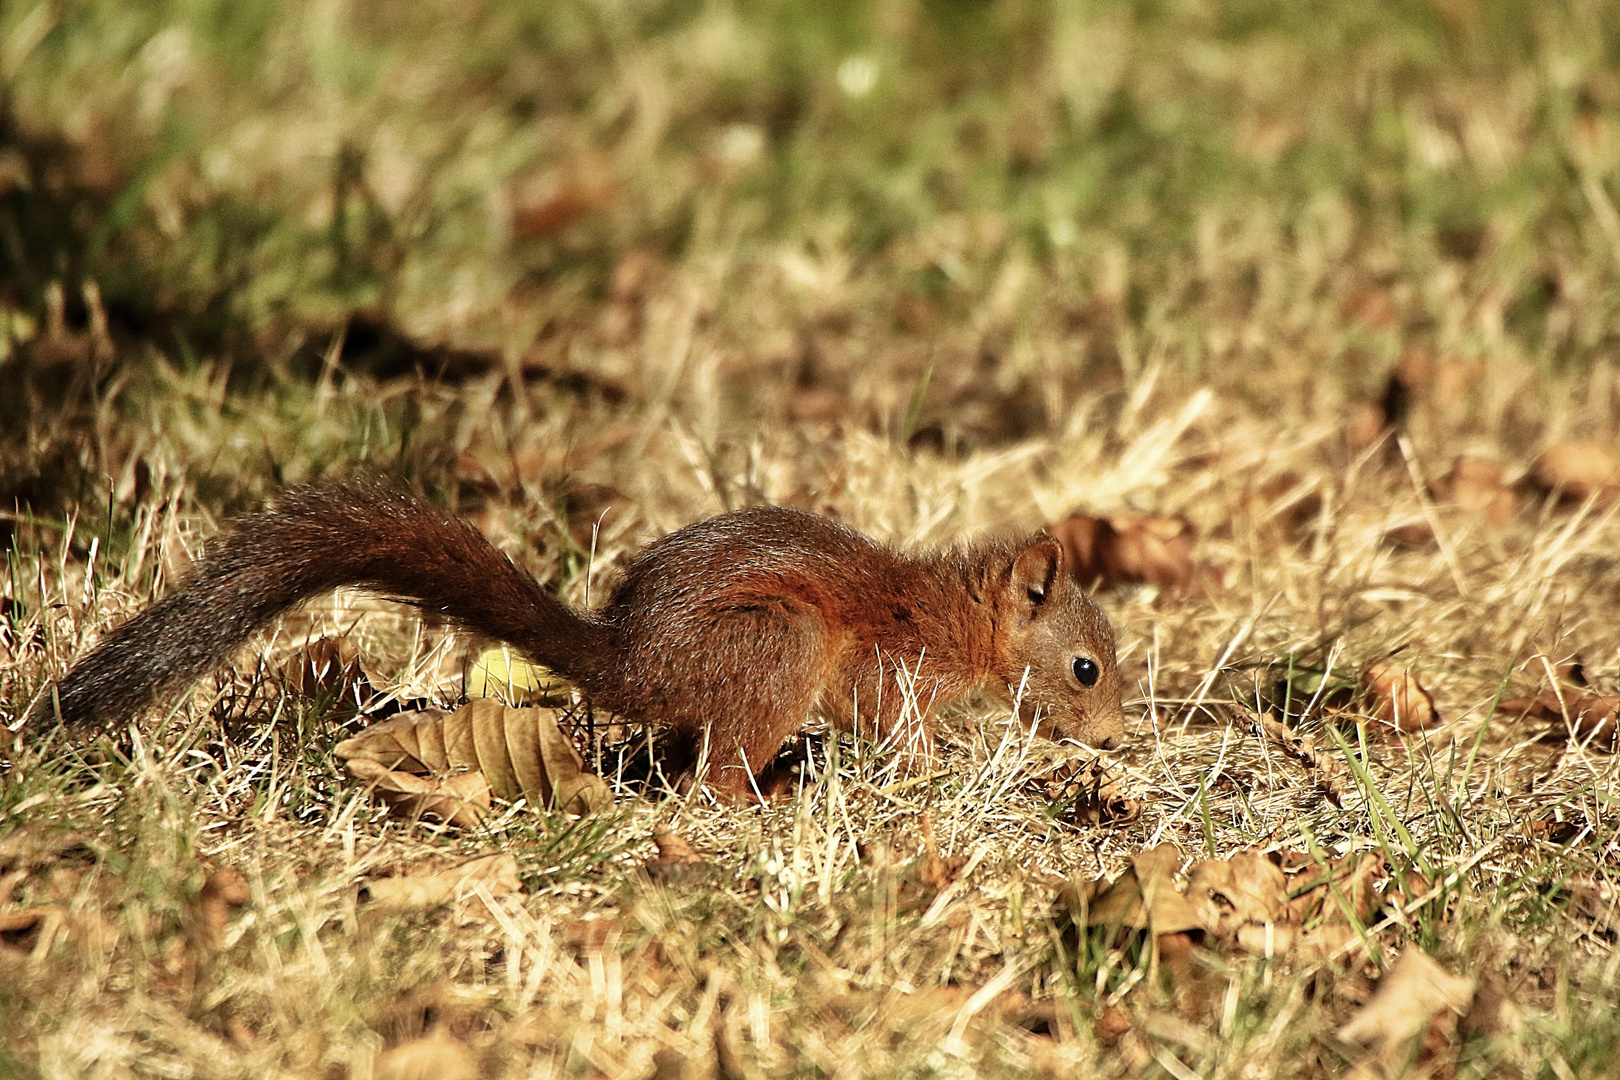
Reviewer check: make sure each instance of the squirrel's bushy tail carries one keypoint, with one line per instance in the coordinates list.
(309, 541)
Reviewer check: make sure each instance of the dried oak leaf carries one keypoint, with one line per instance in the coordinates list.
(1407, 999)
(1398, 699)
(1084, 793)
(1326, 942)
(460, 799)
(424, 888)
(1586, 718)
(1578, 470)
(1555, 830)
(1405, 888)
(520, 752)
(1144, 897)
(1352, 881)
(1476, 484)
(1242, 899)
(1128, 549)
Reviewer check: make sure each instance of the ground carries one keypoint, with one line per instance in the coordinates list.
(1331, 293)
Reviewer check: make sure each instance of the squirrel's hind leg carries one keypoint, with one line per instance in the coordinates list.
(747, 685)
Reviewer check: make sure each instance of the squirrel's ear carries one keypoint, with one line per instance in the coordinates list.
(1035, 571)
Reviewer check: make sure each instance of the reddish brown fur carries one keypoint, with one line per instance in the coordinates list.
(732, 630)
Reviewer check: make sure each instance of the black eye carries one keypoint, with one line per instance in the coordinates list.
(1086, 670)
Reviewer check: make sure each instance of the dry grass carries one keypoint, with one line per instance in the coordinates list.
(994, 288)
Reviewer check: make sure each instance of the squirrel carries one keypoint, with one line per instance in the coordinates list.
(732, 631)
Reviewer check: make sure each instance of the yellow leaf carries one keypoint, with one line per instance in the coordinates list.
(498, 672)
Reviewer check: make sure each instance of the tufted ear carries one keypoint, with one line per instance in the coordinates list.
(1034, 572)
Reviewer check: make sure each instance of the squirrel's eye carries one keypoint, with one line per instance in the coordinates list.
(1086, 670)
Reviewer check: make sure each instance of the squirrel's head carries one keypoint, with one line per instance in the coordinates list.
(1057, 644)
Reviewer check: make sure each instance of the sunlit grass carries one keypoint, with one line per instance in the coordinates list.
(935, 268)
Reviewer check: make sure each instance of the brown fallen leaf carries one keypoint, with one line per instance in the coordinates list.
(1398, 699)
(1588, 718)
(1407, 999)
(1555, 830)
(1144, 897)
(1330, 771)
(424, 888)
(1402, 889)
(436, 1056)
(1577, 470)
(1571, 671)
(1352, 881)
(461, 799)
(1128, 549)
(520, 752)
(1247, 892)
(1084, 793)
(1476, 484)
(1327, 942)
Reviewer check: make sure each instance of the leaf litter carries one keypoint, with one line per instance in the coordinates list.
(1478, 837)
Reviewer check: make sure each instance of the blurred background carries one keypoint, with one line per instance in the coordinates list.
(948, 223)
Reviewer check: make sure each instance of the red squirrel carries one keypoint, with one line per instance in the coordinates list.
(733, 630)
